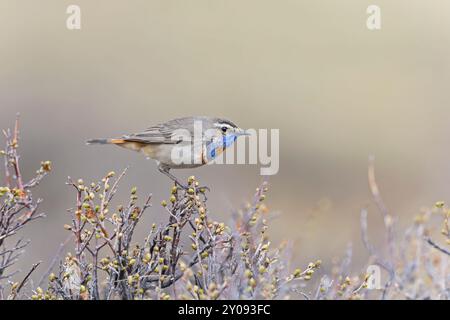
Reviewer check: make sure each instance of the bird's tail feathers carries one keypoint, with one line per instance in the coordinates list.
(105, 141)
(97, 141)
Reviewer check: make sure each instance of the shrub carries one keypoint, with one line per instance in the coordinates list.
(192, 256)
(219, 261)
(18, 208)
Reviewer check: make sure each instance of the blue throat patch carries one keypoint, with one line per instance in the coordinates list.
(227, 141)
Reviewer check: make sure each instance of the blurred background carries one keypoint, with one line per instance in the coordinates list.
(337, 91)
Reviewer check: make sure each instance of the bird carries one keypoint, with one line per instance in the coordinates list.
(181, 143)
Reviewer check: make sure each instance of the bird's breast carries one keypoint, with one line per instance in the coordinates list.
(182, 155)
(187, 154)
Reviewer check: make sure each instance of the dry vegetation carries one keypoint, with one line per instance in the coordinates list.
(191, 256)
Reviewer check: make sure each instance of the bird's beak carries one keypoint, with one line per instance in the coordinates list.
(241, 132)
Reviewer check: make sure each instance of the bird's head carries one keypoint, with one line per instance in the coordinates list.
(226, 128)
(222, 134)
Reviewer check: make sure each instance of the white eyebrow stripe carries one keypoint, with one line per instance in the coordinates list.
(218, 124)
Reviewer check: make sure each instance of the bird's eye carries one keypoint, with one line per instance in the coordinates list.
(224, 129)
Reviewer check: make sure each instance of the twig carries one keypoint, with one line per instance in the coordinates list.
(22, 283)
(436, 246)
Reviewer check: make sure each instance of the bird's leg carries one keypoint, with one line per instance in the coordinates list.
(165, 171)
